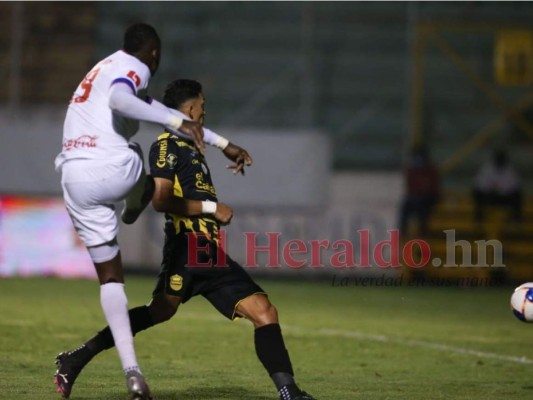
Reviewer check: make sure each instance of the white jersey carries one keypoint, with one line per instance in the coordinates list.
(92, 130)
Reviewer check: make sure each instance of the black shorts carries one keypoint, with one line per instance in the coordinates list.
(224, 286)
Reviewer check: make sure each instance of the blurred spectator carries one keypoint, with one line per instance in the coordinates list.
(497, 184)
(422, 191)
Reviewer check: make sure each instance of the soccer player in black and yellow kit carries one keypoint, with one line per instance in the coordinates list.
(185, 193)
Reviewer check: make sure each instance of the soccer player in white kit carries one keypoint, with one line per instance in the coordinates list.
(100, 168)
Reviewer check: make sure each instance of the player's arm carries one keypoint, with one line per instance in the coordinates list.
(209, 137)
(234, 153)
(123, 101)
(165, 201)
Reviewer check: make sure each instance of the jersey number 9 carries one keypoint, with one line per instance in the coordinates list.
(86, 85)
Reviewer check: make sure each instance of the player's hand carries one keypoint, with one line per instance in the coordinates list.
(239, 156)
(194, 130)
(223, 214)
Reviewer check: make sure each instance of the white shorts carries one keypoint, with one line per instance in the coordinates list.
(92, 187)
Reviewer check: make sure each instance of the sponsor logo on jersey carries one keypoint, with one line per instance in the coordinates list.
(204, 186)
(176, 282)
(172, 160)
(82, 142)
(161, 160)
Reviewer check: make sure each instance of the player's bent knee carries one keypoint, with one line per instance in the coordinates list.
(264, 314)
(270, 315)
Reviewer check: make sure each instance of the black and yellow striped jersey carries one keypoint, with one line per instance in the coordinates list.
(178, 160)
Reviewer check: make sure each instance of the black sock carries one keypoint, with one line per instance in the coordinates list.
(140, 319)
(82, 356)
(271, 351)
(283, 379)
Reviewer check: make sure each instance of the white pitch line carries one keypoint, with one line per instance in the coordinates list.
(379, 338)
(411, 343)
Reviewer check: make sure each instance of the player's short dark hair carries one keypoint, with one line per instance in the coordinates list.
(181, 90)
(137, 35)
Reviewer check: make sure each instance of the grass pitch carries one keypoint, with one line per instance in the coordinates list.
(345, 343)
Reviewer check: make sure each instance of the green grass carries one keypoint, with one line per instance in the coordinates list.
(345, 343)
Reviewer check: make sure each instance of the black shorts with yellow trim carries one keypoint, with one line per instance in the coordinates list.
(224, 283)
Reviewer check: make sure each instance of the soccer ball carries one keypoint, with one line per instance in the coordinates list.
(522, 302)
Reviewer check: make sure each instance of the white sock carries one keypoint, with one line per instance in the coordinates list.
(115, 305)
